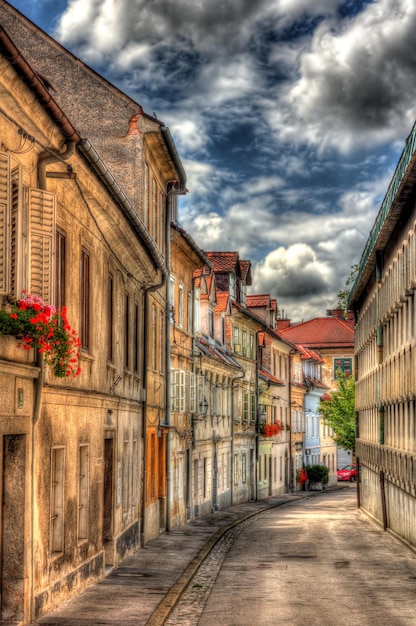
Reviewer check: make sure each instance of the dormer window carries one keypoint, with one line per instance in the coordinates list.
(210, 323)
(243, 291)
(231, 287)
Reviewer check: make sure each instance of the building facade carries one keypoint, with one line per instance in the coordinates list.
(71, 446)
(327, 342)
(383, 298)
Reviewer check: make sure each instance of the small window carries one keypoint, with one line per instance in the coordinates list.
(85, 299)
(181, 307)
(244, 342)
(127, 331)
(345, 365)
(60, 270)
(57, 499)
(210, 323)
(110, 317)
(83, 480)
(245, 406)
(244, 467)
(136, 339)
(252, 347)
(253, 407)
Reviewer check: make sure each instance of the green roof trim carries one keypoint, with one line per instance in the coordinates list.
(403, 164)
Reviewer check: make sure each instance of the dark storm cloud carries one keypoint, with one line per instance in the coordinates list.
(289, 116)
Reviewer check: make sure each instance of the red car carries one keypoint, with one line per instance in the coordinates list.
(349, 472)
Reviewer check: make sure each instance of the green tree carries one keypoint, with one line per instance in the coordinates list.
(343, 295)
(339, 411)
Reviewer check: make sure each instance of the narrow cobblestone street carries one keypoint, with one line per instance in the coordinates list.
(316, 560)
(320, 562)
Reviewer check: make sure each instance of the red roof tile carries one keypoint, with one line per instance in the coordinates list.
(308, 354)
(258, 300)
(222, 302)
(223, 261)
(270, 377)
(245, 267)
(321, 332)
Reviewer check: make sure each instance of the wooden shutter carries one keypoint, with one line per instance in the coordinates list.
(41, 243)
(4, 221)
(18, 231)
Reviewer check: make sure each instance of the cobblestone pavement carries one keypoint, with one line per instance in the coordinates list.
(321, 562)
(146, 587)
(192, 602)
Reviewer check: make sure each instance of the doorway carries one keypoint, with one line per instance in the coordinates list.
(108, 502)
(12, 528)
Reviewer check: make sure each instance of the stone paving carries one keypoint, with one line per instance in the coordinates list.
(146, 588)
(192, 602)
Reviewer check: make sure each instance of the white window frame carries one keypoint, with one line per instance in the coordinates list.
(181, 306)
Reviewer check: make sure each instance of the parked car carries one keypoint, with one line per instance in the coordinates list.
(349, 472)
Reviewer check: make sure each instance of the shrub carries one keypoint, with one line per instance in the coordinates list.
(318, 474)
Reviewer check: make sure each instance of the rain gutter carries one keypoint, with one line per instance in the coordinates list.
(15, 57)
(118, 194)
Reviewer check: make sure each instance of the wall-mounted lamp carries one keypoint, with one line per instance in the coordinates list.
(203, 407)
(262, 414)
(109, 418)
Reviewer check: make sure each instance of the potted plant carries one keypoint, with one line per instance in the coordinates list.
(318, 477)
(302, 477)
(46, 329)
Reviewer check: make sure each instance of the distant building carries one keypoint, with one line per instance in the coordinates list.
(327, 345)
(274, 402)
(384, 301)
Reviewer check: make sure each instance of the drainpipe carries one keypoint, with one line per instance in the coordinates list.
(146, 343)
(233, 380)
(43, 162)
(177, 187)
(36, 414)
(173, 191)
(48, 159)
(290, 482)
(257, 408)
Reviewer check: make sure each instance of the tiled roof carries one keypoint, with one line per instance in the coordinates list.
(223, 261)
(267, 376)
(314, 382)
(308, 354)
(222, 302)
(245, 267)
(258, 300)
(321, 332)
(216, 353)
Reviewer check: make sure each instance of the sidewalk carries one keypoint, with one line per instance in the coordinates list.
(145, 586)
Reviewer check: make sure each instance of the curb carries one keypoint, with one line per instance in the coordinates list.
(166, 606)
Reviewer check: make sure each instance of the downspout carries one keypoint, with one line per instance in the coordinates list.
(233, 380)
(47, 159)
(43, 161)
(36, 414)
(257, 408)
(290, 482)
(173, 191)
(146, 343)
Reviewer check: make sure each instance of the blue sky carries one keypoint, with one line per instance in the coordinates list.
(289, 117)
